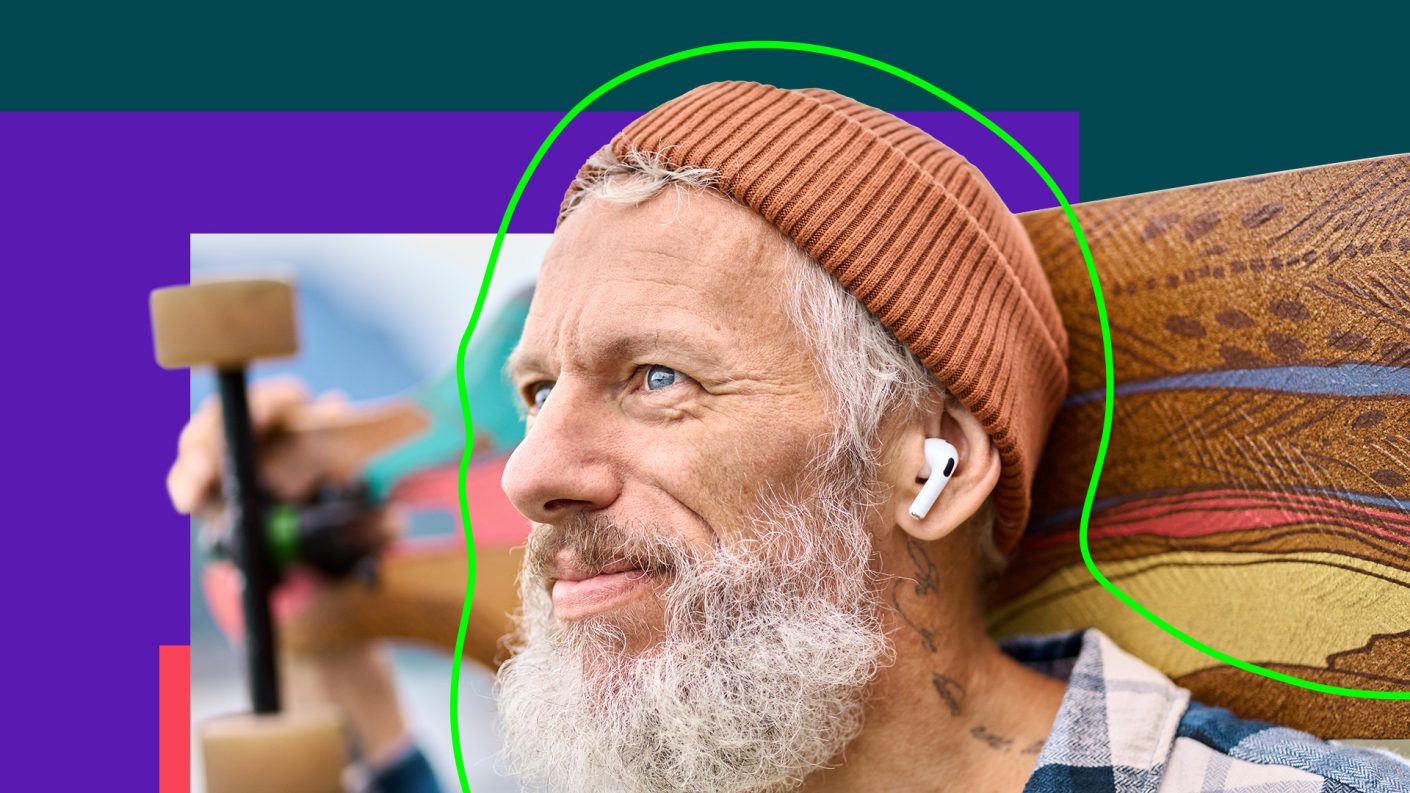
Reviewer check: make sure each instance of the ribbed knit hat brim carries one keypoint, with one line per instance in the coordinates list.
(909, 227)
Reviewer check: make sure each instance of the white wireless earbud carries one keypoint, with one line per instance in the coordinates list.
(941, 457)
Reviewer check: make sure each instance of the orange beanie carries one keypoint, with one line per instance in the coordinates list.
(909, 227)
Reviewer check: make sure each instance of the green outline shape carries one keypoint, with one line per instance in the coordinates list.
(1110, 401)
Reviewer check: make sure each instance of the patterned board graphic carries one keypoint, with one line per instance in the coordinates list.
(1256, 491)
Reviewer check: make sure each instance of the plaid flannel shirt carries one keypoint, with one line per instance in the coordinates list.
(1123, 726)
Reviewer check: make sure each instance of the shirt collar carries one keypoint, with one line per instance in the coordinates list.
(1118, 711)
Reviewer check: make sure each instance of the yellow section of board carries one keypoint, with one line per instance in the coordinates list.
(1307, 605)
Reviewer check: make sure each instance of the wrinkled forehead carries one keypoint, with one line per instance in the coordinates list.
(685, 261)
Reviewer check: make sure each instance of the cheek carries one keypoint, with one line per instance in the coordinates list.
(722, 475)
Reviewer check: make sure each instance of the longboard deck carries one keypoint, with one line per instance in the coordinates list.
(1256, 491)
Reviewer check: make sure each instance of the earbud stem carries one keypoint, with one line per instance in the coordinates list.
(928, 494)
(940, 459)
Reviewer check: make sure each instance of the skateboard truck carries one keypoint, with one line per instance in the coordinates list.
(333, 532)
(228, 325)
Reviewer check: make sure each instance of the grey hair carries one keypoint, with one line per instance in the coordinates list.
(631, 179)
(870, 374)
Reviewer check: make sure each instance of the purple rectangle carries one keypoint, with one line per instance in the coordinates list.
(96, 211)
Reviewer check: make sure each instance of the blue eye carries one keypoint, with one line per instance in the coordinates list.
(540, 393)
(658, 377)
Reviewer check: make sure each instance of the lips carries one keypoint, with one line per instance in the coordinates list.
(580, 592)
(567, 571)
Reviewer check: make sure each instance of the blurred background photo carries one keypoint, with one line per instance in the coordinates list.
(379, 319)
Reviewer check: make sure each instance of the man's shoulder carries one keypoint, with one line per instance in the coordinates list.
(1216, 750)
(1125, 726)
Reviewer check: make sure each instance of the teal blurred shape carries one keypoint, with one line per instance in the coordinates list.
(492, 403)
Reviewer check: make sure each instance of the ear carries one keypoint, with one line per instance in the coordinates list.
(973, 480)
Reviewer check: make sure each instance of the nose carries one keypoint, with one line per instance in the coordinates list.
(561, 467)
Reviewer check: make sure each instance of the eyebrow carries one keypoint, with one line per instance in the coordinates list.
(680, 345)
(520, 360)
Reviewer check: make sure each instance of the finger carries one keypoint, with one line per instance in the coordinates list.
(329, 409)
(272, 399)
(298, 462)
(194, 476)
(268, 400)
(197, 467)
(290, 473)
(190, 481)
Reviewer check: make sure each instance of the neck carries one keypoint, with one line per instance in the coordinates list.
(954, 712)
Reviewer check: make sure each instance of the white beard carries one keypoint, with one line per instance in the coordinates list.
(758, 681)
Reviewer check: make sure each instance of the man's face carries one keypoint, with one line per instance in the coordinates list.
(699, 607)
(680, 390)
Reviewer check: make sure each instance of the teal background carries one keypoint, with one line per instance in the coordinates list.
(1169, 95)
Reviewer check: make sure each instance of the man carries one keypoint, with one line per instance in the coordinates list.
(758, 307)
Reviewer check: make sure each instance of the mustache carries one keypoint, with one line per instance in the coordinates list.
(598, 541)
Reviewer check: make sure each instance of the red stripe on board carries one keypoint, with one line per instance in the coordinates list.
(1140, 517)
(174, 743)
(1304, 504)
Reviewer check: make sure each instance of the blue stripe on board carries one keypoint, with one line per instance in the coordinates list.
(1073, 513)
(1345, 379)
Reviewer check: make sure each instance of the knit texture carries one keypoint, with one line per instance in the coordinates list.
(905, 224)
